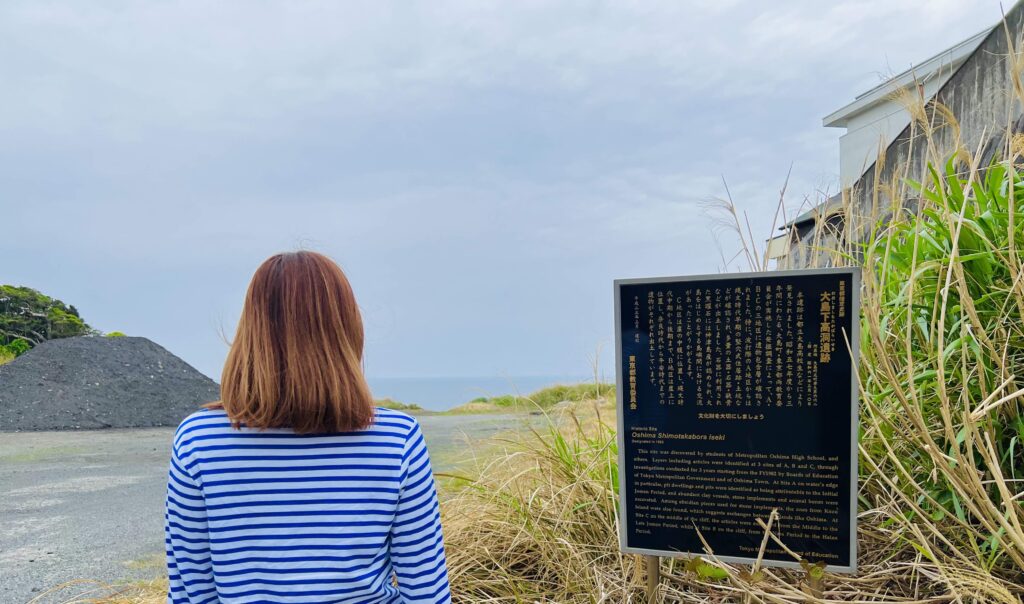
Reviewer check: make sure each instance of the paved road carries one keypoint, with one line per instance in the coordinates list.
(80, 505)
(89, 505)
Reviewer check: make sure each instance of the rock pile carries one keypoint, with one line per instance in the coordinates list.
(99, 382)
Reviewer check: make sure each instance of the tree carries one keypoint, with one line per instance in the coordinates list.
(28, 317)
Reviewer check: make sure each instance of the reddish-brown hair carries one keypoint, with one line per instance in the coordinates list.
(296, 361)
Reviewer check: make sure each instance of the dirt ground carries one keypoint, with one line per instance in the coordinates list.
(89, 504)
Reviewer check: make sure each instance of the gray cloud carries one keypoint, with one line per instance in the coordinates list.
(481, 170)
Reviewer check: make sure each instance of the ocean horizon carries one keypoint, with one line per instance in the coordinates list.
(443, 393)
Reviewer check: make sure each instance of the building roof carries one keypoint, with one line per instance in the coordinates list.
(941, 65)
(824, 209)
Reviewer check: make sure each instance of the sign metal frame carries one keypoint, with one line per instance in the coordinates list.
(852, 339)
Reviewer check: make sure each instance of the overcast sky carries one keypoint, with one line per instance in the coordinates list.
(482, 172)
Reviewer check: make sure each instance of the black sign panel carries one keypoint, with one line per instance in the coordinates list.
(737, 396)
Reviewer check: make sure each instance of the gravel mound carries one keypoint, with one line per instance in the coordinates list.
(99, 382)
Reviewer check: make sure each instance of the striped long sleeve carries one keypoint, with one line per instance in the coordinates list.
(187, 538)
(278, 517)
(416, 545)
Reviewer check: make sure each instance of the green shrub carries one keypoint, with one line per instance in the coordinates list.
(116, 334)
(17, 347)
(505, 400)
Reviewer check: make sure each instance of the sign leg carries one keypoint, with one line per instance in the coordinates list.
(653, 577)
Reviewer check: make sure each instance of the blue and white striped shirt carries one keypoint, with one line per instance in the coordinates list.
(271, 516)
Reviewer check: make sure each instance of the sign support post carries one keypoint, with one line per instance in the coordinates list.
(653, 577)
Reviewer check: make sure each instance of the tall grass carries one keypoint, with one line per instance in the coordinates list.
(943, 361)
(538, 524)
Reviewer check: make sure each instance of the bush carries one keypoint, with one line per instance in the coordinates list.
(17, 347)
(115, 334)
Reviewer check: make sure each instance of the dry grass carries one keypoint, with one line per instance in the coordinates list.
(540, 525)
(539, 521)
(96, 592)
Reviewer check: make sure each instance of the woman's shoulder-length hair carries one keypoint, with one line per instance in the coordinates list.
(296, 360)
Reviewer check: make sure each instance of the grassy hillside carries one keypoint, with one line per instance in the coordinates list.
(397, 406)
(543, 399)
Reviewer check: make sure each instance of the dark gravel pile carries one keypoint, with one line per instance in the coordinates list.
(99, 382)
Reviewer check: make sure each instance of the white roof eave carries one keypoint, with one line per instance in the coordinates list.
(949, 59)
